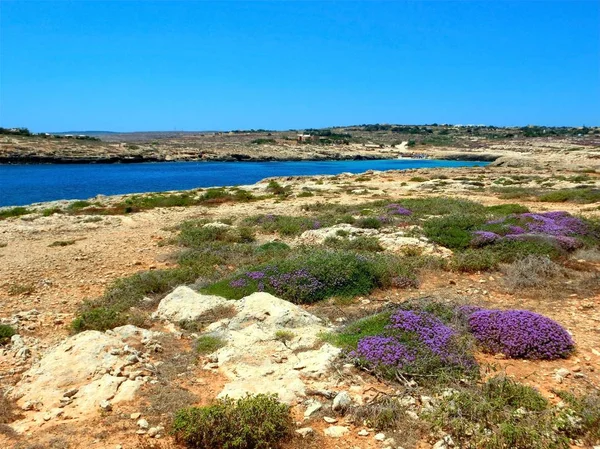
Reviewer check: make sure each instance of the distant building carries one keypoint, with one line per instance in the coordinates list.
(306, 138)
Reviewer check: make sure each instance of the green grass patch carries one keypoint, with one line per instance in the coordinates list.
(207, 344)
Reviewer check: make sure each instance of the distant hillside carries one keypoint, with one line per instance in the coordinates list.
(85, 133)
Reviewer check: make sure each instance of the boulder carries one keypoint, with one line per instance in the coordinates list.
(184, 304)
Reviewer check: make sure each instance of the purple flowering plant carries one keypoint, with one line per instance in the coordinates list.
(558, 227)
(414, 342)
(519, 334)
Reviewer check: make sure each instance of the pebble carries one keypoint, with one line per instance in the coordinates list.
(305, 431)
(363, 433)
(380, 437)
(329, 419)
(142, 424)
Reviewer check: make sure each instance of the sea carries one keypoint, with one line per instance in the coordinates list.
(23, 184)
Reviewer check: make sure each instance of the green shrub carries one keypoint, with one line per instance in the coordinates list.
(508, 251)
(499, 414)
(14, 212)
(253, 422)
(113, 308)
(195, 234)
(207, 344)
(285, 225)
(277, 189)
(369, 223)
(586, 411)
(361, 243)
(6, 332)
(453, 231)
(578, 195)
(310, 276)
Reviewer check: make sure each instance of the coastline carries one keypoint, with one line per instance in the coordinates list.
(135, 159)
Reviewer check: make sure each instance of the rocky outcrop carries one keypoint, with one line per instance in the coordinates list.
(389, 239)
(270, 345)
(86, 372)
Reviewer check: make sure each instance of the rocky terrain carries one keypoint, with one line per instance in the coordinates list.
(185, 345)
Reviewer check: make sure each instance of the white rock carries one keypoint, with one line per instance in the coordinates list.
(312, 407)
(341, 401)
(363, 433)
(183, 303)
(305, 431)
(329, 419)
(142, 423)
(380, 437)
(336, 431)
(106, 406)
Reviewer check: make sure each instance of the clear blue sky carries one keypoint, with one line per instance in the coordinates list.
(127, 66)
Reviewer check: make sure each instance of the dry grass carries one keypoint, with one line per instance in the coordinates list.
(532, 272)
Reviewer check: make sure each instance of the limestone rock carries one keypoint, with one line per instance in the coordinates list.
(183, 303)
(341, 401)
(336, 431)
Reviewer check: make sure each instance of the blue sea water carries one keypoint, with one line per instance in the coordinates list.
(26, 184)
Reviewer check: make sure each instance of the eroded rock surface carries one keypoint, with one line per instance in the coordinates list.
(85, 372)
(271, 346)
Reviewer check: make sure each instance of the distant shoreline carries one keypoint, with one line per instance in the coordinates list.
(51, 160)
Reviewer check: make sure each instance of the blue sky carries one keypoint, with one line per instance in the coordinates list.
(127, 66)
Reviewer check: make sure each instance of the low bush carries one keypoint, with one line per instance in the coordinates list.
(410, 341)
(583, 195)
(194, 234)
(6, 332)
(14, 212)
(533, 271)
(113, 308)
(253, 422)
(520, 334)
(283, 224)
(361, 243)
(580, 419)
(499, 414)
(310, 276)
(277, 189)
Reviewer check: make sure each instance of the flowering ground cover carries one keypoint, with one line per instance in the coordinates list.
(559, 227)
(310, 276)
(412, 342)
(520, 334)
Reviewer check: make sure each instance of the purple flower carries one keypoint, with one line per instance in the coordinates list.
(396, 209)
(559, 227)
(484, 238)
(520, 334)
(238, 283)
(255, 274)
(429, 330)
(387, 351)
(512, 229)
